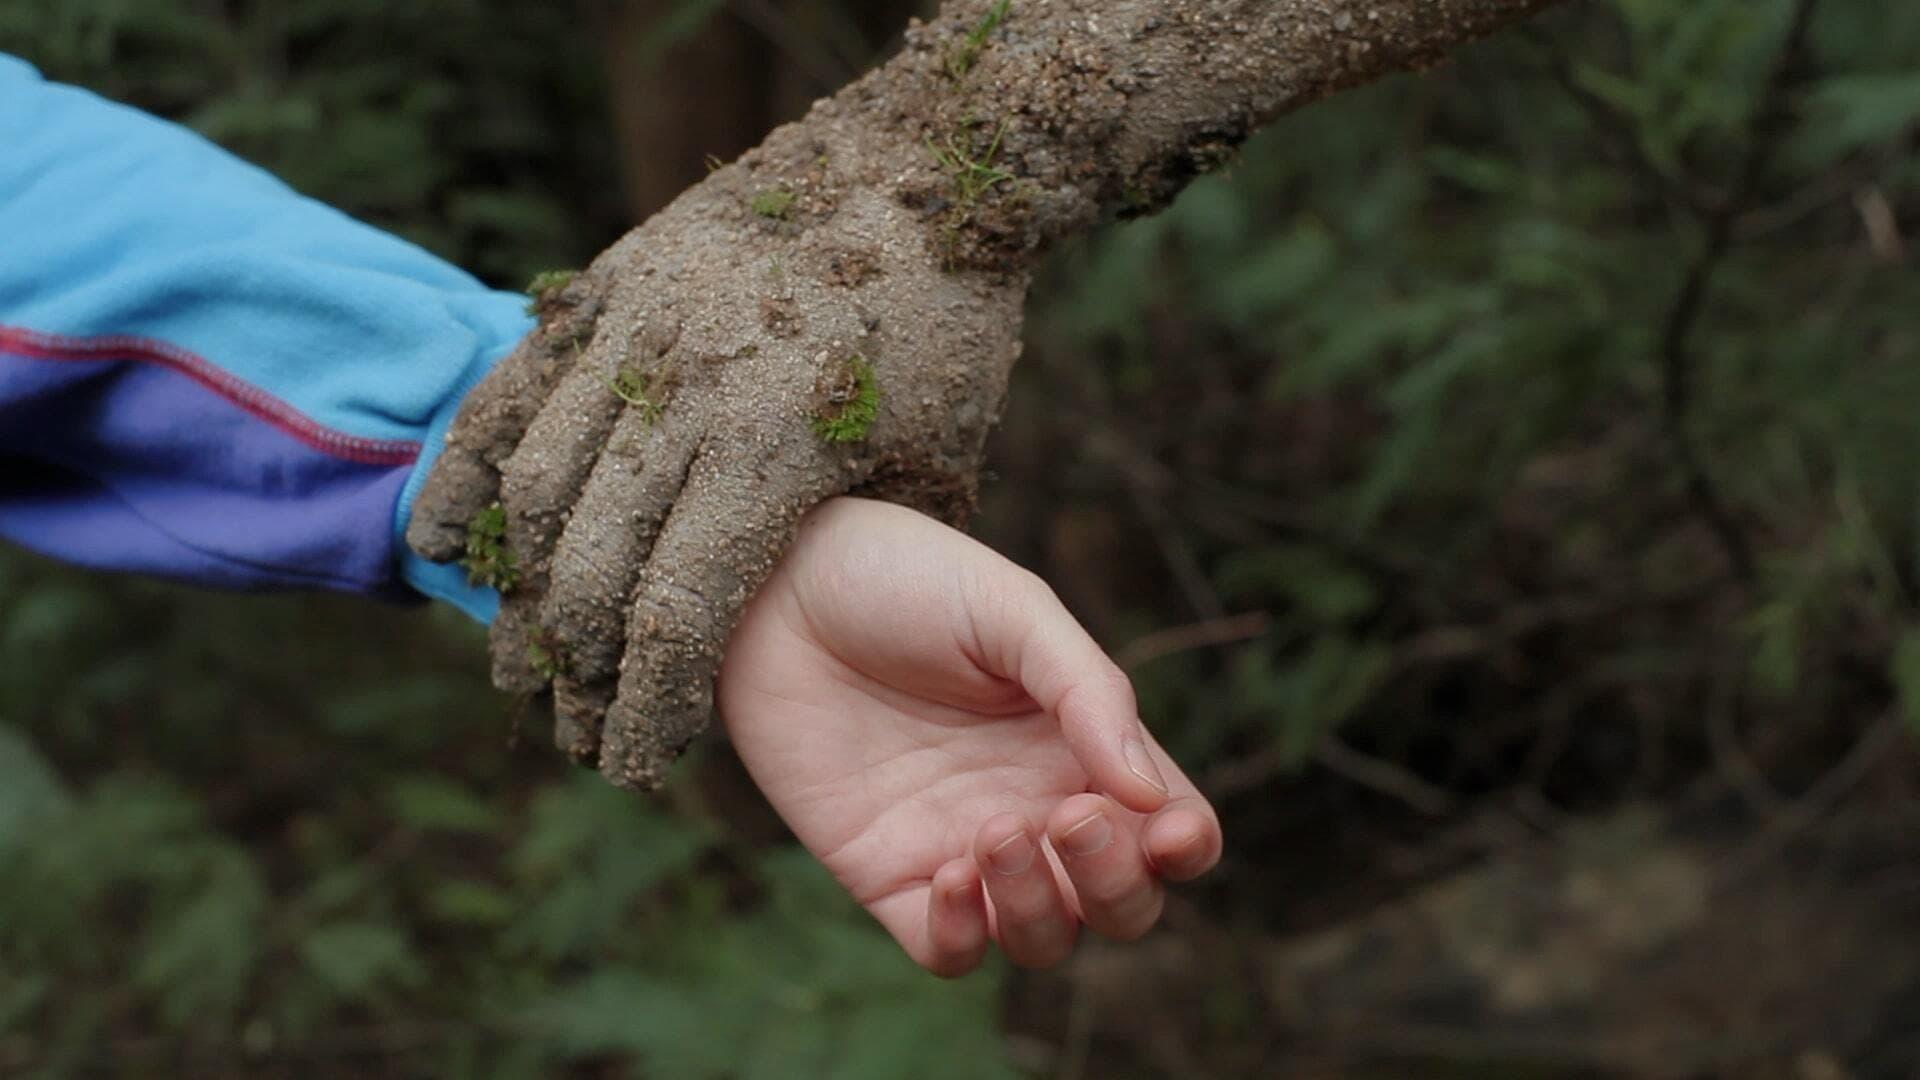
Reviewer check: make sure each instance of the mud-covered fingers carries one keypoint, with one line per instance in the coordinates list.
(512, 639)
(1099, 846)
(576, 734)
(465, 478)
(597, 564)
(460, 485)
(539, 485)
(725, 533)
(1183, 839)
(1031, 919)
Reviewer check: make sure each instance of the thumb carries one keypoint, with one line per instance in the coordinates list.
(1024, 629)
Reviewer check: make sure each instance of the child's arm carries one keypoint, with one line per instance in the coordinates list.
(205, 375)
(927, 717)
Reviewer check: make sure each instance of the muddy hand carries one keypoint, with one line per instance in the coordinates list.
(781, 335)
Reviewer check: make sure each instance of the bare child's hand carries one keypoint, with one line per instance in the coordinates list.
(927, 717)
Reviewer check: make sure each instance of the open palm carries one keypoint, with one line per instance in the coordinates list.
(954, 747)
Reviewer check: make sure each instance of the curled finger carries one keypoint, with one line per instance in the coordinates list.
(1031, 919)
(1113, 886)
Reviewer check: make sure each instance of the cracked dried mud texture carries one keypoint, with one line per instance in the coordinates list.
(641, 533)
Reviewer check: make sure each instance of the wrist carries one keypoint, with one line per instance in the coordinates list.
(446, 582)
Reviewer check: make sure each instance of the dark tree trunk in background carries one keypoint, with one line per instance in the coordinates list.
(679, 100)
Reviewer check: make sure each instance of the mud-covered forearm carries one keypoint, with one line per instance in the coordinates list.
(1031, 120)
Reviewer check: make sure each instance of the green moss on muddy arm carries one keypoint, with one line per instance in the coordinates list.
(1116, 105)
(776, 203)
(960, 60)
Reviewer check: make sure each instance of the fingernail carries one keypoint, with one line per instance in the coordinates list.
(962, 895)
(1142, 766)
(1089, 836)
(1013, 856)
(1189, 853)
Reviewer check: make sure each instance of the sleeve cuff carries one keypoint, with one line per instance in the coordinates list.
(446, 582)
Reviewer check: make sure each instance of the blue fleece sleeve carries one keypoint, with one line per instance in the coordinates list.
(206, 376)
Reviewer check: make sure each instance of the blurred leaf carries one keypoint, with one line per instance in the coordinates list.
(1302, 697)
(436, 803)
(1326, 589)
(593, 851)
(1776, 657)
(20, 995)
(1906, 676)
(617, 1010)
(30, 791)
(1274, 276)
(392, 708)
(473, 903)
(1851, 113)
(359, 960)
(1483, 173)
(196, 961)
(676, 23)
(46, 617)
(805, 986)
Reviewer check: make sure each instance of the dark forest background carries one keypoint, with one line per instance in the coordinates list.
(1503, 485)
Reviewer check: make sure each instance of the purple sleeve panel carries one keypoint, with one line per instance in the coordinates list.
(126, 454)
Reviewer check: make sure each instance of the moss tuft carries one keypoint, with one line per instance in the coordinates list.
(632, 386)
(545, 287)
(546, 659)
(776, 203)
(962, 58)
(972, 176)
(487, 560)
(852, 404)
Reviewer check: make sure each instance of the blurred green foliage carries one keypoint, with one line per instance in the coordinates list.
(466, 126)
(321, 854)
(1399, 379)
(1402, 374)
